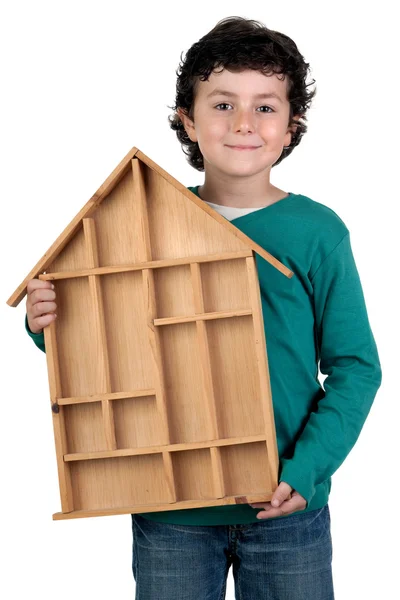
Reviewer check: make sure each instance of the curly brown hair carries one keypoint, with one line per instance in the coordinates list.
(235, 44)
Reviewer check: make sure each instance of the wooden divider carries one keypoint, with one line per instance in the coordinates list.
(104, 379)
(209, 398)
(212, 316)
(112, 396)
(76, 456)
(153, 264)
(153, 334)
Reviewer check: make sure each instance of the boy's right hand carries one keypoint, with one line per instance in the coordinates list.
(40, 305)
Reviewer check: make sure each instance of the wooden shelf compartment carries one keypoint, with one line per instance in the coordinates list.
(136, 423)
(143, 481)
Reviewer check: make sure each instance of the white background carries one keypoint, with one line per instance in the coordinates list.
(83, 82)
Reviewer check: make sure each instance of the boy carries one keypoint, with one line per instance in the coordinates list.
(240, 108)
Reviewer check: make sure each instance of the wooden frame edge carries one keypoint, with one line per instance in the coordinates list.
(181, 505)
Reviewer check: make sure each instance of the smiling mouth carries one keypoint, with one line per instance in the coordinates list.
(243, 147)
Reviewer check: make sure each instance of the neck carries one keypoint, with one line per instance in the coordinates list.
(240, 192)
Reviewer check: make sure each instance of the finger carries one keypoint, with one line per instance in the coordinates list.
(281, 494)
(35, 284)
(265, 505)
(41, 295)
(42, 308)
(41, 322)
(275, 512)
(297, 502)
(286, 508)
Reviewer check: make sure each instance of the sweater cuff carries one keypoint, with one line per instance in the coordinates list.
(30, 333)
(300, 481)
(38, 338)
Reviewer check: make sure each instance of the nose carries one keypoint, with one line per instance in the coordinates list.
(244, 121)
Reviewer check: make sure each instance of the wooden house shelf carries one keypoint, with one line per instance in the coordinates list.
(157, 362)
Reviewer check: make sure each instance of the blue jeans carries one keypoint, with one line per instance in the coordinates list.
(289, 558)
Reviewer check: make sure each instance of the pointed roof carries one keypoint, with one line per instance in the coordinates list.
(103, 191)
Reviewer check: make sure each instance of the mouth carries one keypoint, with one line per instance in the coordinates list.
(241, 147)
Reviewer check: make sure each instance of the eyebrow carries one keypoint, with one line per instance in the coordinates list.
(219, 92)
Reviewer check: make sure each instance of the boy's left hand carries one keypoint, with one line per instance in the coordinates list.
(279, 505)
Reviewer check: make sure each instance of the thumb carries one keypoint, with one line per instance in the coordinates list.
(281, 493)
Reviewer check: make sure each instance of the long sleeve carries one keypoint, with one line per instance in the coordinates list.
(349, 357)
(38, 338)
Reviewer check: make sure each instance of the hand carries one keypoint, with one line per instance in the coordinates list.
(40, 305)
(279, 506)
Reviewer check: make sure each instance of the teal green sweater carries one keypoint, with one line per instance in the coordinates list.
(318, 317)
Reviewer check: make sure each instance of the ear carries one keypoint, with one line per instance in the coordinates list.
(291, 130)
(188, 124)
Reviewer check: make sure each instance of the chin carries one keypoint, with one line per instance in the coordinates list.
(237, 166)
(244, 170)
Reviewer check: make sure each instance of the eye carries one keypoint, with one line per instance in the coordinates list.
(224, 105)
(269, 109)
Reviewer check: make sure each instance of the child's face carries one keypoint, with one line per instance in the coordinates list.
(240, 129)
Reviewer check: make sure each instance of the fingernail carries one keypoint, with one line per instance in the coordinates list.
(275, 502)
(52, 286)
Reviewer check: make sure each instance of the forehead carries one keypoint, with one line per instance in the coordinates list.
(246, 82)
